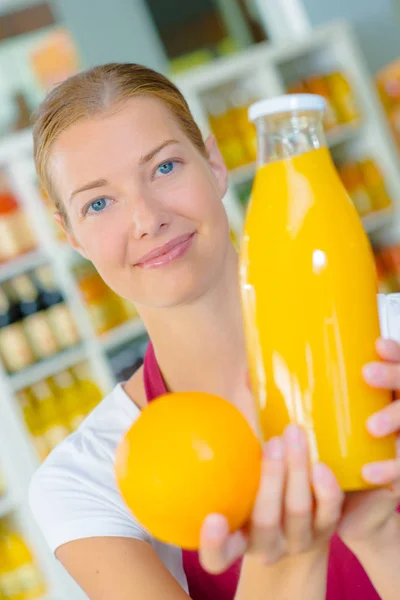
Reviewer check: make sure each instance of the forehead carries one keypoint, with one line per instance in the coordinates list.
(91, 147)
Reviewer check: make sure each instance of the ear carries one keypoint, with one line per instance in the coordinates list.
(217, 164)
(60, 220)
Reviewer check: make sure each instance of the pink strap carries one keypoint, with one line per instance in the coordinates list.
(153, 381)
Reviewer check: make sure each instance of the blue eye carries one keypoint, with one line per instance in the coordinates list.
(97, 206)
(166, 167)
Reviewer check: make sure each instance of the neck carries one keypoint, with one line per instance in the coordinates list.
(200, 346)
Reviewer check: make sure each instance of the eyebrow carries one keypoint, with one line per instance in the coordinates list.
(147, 157)
(142, 161)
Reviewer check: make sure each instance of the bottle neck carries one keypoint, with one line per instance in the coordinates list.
(286, 135)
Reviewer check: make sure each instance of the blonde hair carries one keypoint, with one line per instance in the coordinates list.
(101, 89)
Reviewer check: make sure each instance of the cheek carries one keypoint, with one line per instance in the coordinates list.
(199, 198)
(104, 240)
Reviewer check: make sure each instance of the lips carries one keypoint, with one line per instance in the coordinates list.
(166, 253)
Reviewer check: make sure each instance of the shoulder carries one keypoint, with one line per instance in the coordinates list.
(74, 494)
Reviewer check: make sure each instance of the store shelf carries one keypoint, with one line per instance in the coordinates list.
(46, 368)
(342, 134)
(242, 174)
(23, 263)
(377, 220)
(122, 334)
(7, 505)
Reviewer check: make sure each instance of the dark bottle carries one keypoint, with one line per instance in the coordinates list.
(35, 322)
(15, 351)
(59, 314)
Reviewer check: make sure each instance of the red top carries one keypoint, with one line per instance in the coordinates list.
(347, 579)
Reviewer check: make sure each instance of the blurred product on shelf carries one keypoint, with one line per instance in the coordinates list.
(16, 236)
(126, 359)
(105, 308)
(57, 311)
(235, 135)
(36, 325)
(15, 351)
(365, 185)
(388, 84)
(387, 260)
(54, 58)
(341, 105)
(35, 322)
(20, 578)
(55, 407)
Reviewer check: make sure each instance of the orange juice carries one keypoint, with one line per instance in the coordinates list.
(309, 287)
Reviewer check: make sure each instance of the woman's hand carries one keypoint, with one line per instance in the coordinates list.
(369, 518)
(285, 520)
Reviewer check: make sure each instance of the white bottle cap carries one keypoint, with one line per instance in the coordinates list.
(288, 103)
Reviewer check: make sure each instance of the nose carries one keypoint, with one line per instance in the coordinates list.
(149, 217)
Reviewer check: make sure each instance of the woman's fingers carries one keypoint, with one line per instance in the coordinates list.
(329, 498)
(218, 548)
(382, 473)
(388, 350)
(265, 528)
(298, 498)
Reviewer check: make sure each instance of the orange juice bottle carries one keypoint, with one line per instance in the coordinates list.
(308, 286)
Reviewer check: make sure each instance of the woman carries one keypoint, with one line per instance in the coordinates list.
(139, 193)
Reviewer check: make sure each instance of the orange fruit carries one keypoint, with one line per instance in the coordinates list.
(189, 454)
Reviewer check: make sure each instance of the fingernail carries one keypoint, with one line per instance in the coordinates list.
(375, 373)
(215, 526)
(373, 472)
(294, 437)
(274, 448)
(379, 424)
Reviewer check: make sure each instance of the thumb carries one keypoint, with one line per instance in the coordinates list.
(218, 548)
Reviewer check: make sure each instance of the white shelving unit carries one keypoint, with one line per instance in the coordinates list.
(262, 68)
(17, 456)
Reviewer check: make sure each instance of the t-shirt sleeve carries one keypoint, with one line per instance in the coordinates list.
(73, 495)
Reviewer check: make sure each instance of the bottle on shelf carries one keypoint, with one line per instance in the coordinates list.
(72, 404)
(104, 307)
(16, 236)
(334, 87)
(35, 321)
(89, 392)
(343, 98)
(240, 101)
(389, 259)
(33, 422)
(222, 126)
(375, 183)
(58, 312)
(51, 417)
(352, 179)
(20, 577)
(318, 84)
(15, 351)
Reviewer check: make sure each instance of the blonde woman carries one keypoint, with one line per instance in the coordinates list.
(139, 193)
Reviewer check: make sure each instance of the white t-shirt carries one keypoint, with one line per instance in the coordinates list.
(74, 494)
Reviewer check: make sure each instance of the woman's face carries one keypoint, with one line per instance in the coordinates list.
(143, 204)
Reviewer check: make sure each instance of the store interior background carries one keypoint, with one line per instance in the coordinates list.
(65, 338)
